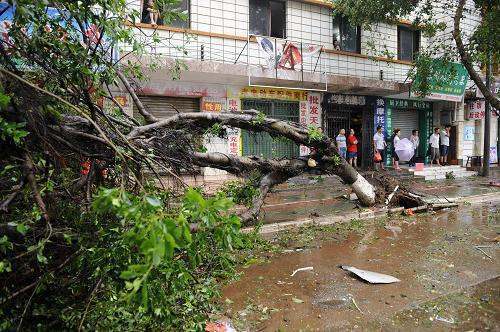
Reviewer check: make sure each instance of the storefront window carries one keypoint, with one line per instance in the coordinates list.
(408, 43)
(166, 13)
(346, 37)
(267, 18)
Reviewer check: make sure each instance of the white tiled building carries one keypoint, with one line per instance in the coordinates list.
(227, 70)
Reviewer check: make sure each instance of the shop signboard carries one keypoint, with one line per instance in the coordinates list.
(310, 115)
(234, 141)
(340, 99)
(447, 82)
(273, 93)
(211, 106)
(476, 110)
(409, 104)
(380, 119)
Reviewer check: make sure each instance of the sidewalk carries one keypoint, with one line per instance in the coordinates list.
(324, 200)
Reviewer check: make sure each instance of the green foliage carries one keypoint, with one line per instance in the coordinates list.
(259, 119)
(315, 134)
(12, 130)
(152, 271)
(240, 192)
(216, 130)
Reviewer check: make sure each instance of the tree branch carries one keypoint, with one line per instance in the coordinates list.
(140, 107)
(464, 56)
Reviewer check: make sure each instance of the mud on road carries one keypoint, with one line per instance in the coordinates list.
(447, 282)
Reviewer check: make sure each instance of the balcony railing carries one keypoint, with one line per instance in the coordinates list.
(315, 67)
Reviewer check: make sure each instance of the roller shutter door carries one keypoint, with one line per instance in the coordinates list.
(163, 107)
(406, 120)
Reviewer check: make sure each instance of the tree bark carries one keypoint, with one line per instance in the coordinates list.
(330, 161)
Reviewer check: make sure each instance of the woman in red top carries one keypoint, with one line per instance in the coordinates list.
(352, 149)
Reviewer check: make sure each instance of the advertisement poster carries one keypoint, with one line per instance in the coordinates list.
(469, 132)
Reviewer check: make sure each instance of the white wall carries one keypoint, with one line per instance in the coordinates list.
(306, 23)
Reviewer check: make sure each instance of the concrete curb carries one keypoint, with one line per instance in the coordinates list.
(366, 214)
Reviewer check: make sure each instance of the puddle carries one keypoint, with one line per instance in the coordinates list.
(432, 255)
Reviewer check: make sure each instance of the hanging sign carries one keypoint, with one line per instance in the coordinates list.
(447, 82)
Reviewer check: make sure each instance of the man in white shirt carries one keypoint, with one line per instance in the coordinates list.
(434, 142)
(415, 140)
(379, 145)
(445, 144)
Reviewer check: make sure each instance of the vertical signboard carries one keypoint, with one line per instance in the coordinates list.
(310, 115)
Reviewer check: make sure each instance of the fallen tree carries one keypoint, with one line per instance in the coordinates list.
(84, 218)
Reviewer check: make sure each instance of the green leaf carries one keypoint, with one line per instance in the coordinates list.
(127, 275)
(153, 201)
(4, 100)
(41, 258)
(22, 228)
(296, 300)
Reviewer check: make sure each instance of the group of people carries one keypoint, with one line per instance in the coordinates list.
(348, 146)
(380, 145)
(439, 143)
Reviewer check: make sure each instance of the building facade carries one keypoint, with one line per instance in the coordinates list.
(290, 60)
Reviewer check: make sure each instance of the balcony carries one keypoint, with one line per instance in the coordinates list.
(241, 60)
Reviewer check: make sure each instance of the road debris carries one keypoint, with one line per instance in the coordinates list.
(371, 277)
(389, 198)
(445, 320)
(308, 268)
(484, 252)
(355, 304)
(219, 327)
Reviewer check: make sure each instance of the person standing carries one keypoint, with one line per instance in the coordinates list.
(379, 145)
(352, 149)
(341, 143)
(415, 140)
(445, 144)
(395, 140)
(434, 143)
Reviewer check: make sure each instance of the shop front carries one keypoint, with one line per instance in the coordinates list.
(407, 115)
(283, 104)
(351, 112)
(473, 133)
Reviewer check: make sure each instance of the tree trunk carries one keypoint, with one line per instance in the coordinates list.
(487, 116)
(464, 56)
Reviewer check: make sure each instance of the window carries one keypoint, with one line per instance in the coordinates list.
(346, 37)
(408, 43)
(267, 18)
(159, 13)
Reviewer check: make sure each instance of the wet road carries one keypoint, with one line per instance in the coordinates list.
(442, 273)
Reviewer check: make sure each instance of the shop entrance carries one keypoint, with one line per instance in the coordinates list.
(359, 118)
